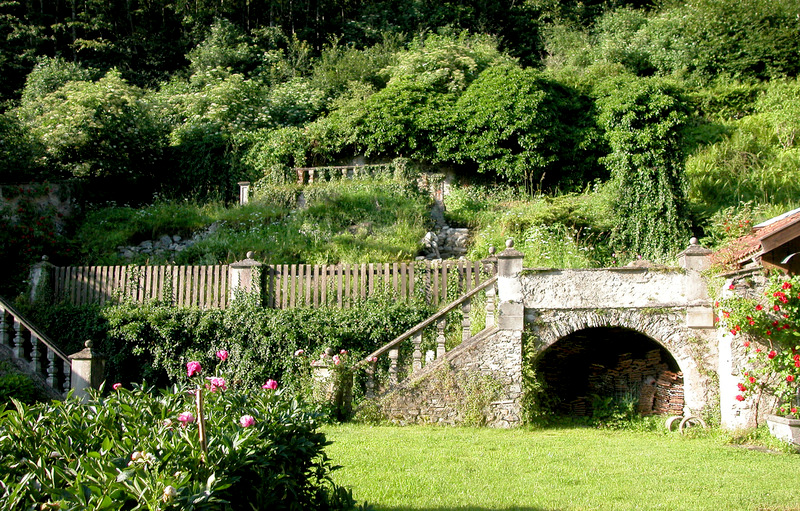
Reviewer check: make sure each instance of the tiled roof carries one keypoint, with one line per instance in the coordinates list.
(749, 246)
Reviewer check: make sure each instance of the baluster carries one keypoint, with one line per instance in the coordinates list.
(371, 368)
(51, 368)
(19, 349)
(440, 338)
(490, 306)
(417, 341)
(393, 355)
(3, 328)
(466, 321)
(36, 363)
(67, 377)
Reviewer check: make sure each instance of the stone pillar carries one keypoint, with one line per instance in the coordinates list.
(40, 281)
(245, 277)
(695, 257)
(511, 312)
(244, 192)
(88, 370)
(489, 266)
(699, 313)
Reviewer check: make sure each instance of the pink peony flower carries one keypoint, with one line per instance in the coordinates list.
(298, 353)
(185, 418)
(116, 386)
(222, 355)
(343, 352)
(193, 368)
(271, 385)
(246, 421)
(336, 360)
(217, 383)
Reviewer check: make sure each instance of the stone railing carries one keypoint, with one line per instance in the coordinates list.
(30, 346)
(438, 321)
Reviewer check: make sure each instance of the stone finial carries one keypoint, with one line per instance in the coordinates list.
(45, 258)
(492, 250)
(510, 243)
(693, 241)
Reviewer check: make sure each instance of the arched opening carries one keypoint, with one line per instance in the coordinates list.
(611, 365)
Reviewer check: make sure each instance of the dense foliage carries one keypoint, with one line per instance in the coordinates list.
(153, 341)
(693, 103)
(140, 449)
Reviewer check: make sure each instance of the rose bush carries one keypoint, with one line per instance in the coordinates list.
(768, 329)
(140, 449)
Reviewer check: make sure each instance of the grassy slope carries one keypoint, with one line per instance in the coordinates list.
(431, 468)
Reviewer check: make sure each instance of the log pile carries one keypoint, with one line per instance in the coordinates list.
(648, 381)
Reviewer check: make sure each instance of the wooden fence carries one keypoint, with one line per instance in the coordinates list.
(285, 286)
(184, 286)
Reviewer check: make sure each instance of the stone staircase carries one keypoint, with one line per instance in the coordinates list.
(33, 353)
(465, 385)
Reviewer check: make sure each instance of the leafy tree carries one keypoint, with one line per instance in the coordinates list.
(510, 122)
(643, 121)
(96, 129)
(17, 151)
(448, 62)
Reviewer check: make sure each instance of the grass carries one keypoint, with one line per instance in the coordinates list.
(466, 469)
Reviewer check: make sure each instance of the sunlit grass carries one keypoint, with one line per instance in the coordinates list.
(433, 468)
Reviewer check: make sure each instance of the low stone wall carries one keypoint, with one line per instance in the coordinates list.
(478, 383)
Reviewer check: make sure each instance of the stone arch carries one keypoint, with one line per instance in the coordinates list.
(666, 327)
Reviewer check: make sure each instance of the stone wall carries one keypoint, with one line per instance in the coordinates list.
(480, 382)
(609, 288)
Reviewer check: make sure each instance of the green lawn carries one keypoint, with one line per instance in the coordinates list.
(432, 468)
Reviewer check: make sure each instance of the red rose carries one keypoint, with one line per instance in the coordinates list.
(776, 307)
(752, 379)
(786, 285)
(741, 387)
(740, 397)
(772, 354)
(746, 344)
(759, 307)
(790, 378)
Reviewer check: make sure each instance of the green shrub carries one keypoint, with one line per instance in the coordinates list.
(130, 450)
(15, 385)
(152, 341)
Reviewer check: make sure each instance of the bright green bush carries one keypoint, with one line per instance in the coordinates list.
(508, 124)
(132, 450)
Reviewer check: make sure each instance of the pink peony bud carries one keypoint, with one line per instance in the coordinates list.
(222, 355)
(116, 386)
(298, 353)
(246, 421)
(271, 385)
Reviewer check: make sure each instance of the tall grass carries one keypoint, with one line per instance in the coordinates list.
(563, 231)
(353, 222)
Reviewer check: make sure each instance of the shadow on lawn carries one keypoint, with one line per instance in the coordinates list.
(463, 508)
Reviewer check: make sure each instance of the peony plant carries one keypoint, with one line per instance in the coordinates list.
(140, 448)
(768, 332)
